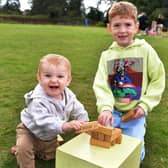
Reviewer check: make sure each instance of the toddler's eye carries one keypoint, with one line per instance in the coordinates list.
(47, 75)
(60, 76)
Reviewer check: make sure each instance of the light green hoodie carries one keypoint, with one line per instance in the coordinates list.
(129, 76)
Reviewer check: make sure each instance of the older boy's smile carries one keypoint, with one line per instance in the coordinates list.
(122, 37)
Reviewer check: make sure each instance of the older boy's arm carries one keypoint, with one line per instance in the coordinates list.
(103, 93)
(156, 85)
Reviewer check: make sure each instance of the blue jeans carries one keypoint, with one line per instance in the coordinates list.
(134, 128)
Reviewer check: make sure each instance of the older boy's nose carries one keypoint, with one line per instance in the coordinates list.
(122, 29)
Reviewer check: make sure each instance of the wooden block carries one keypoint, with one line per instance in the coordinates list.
(128, 116)
(119, 139)
(100, 136)
(94, 134)
(88, 126)
(107, 138)
(99, 143)
(105, 130)
(116, 136)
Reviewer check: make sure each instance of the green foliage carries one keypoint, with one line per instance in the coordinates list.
(152, 7)
(95, 14)
(12, 6)
(149, 6)
(162, 11)
(100, 24)
(57, 8)
(21, 47)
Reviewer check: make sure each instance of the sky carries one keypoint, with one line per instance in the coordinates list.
(24, 5)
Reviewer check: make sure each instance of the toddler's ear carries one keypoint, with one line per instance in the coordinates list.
(69, 80)
(38, 76)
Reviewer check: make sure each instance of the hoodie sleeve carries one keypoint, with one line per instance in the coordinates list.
(103, 93)
(79, 112)
(40, 121)
(155, 81)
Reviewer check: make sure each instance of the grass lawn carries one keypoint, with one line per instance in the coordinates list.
(21, 47)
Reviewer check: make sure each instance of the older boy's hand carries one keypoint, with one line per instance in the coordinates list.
(105, 118)
(73, 125)
(139, 112)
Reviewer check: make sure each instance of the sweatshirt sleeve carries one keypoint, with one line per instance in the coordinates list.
(40, 121)
(156, 82)
(103, 93)
(79, 112)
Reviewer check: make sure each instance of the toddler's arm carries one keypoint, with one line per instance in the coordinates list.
(73, 125)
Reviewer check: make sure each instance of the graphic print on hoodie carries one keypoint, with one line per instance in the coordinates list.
(125, 78)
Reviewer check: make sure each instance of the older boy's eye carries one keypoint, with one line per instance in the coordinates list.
(116, 25)
(128, 24)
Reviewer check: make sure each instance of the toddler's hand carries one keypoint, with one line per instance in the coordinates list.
(73, 125)
(105, 117)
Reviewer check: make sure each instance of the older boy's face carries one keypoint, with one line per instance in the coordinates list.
(123, 30)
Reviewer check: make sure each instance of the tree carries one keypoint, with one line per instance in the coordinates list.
(12, 6)
(149, 6)
(95, 14)
(57, 8)
(74, 7)
(53, 8)
(152, 8)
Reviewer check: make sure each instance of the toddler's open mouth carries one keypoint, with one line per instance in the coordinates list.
(54, 87)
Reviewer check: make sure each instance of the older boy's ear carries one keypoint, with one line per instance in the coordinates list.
(108, 27)
(137, 26)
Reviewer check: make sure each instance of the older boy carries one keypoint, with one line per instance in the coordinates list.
(130, 75)
(49, 107)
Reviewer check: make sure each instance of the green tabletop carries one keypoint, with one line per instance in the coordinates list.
(79, 153)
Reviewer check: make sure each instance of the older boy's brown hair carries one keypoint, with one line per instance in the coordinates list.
(123, 9)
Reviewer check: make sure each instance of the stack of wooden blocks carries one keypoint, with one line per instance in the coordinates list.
(101, 135)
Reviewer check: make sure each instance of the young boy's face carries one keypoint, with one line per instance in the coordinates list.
(123, 29)
(54, 79)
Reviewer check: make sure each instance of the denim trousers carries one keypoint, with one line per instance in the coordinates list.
(134, 128)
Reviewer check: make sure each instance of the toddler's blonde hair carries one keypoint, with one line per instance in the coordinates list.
(56, 60)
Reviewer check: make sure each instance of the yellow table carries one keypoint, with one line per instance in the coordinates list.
(79, 153)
